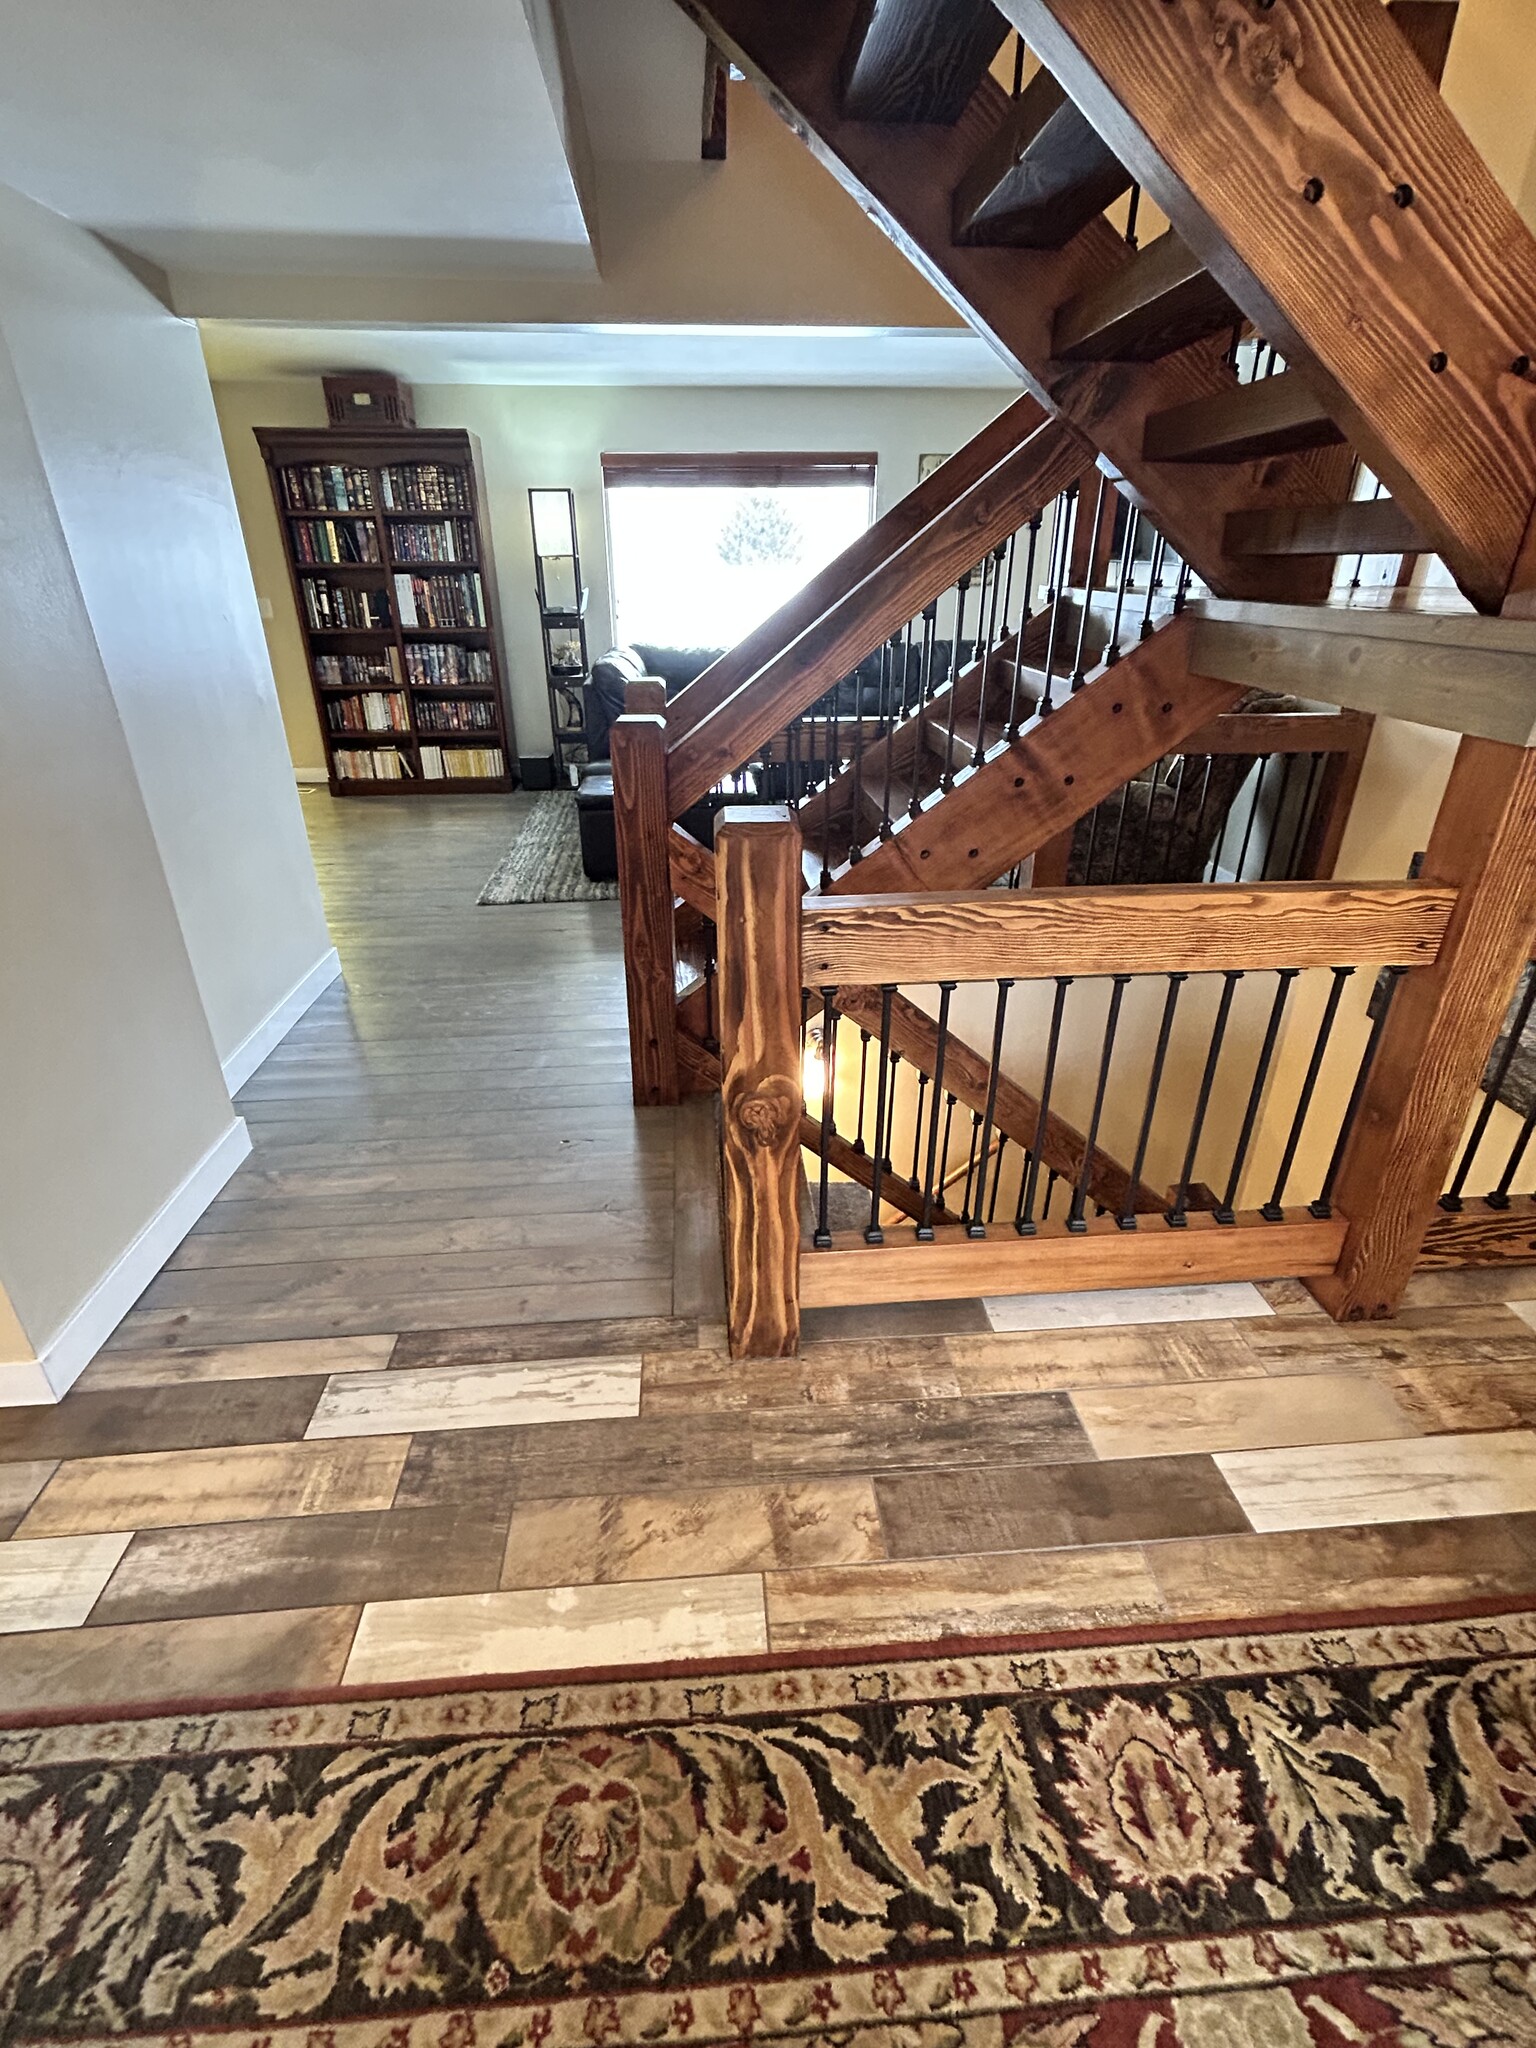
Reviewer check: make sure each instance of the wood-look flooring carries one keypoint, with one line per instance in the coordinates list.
(439, 1386)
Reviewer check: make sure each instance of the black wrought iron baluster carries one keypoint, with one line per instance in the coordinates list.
(796, 792)
(1273, 1210)
(1076, 1220)
(1061, 569)
(1127, 1216)
(858, 1143)
(999, 555)
(1498, 1198)
(1208, 866)
(1154, 584)
(822, 1236)
(873, 1234)
(917, 1132)
(1025, 615)
(1130, 217)
(1451, 1199)
(1171, 836)
(1253, 814)
(970, 1166)
(1093, 838)
(1024, 1219)
(1178, 1216)
(1018, 65)
(1139, 872)
(941, 1182)
(1234, 350)
(1277, 817)
(1051, 1178)
(1123, 581)
(941, 1046)
(1085, 617)
(1323, 1206)
(1354, 581)
(924, 698)
(1225, 1212)
(856, 808)
(962, 590)
(1303, 818)
(711, 991)
(1181, 588)
(1114, 858)
(972, 1219)
(997, 1176)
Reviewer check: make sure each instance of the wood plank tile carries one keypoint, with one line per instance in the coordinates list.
(998, 1429)
(1038, 1361)
(1445, 1398)
(20, 1484)
(1388, 1564)
(1419, 1478)
(1117, 1307)
(601, 1538)
(897, 1319)
(560, 1628)
(55, 1583)
(563, 1460)
(303, 1561)
(1482, 1332)
(169, 1489)
(1002, 1594)
(1043, 1507)
(698, 1274)
(326, 1282)
(165, 1660)
(1222, 1415)
(303, 1358)
(477, 1396)
(86, 1425)
(618, 1336)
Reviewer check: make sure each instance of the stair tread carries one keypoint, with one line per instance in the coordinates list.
(1276, 415)
(908, 60)
(1162, 300)
(1364, 526)
(1042, 176)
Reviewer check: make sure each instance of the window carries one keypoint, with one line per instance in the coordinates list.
(703, 547)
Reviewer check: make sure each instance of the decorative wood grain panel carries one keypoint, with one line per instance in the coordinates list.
(642, 826)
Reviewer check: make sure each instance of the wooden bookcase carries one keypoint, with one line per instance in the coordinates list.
(397, 503)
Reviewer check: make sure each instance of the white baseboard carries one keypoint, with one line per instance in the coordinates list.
(276, 1025)
(33, 1381)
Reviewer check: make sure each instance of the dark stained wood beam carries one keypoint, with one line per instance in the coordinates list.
(918, 60)
(714, 132)
(1041, 177)
(1307, 159)
(1271, 416)
(904, 178)
(640, 824)
(1427, 26)
(1366, 526)
(1163, 300)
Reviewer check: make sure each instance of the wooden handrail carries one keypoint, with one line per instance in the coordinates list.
(891, 532)
(860, 619)
(971, 935)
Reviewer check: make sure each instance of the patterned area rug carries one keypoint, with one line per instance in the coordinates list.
(1282, 1838)
(543, 863)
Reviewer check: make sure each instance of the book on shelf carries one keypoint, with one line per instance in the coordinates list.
(432, 540)
(474, 714)
(370, 764)
(451, 764)
(448, 665)
(327, 487)
(426, 487)
(343, 608)
(334, 540)
(359, 671)
(373, 711)
(438, 601)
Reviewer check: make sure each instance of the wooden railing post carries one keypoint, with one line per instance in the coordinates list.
(758, 879)
(642, 824)
(1438, 1033)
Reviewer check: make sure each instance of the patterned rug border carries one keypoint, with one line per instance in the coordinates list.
(933, 1649)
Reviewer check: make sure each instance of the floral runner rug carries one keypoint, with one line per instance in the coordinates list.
(1284, 1835)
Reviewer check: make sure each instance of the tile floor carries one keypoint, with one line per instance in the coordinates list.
(438, 1385)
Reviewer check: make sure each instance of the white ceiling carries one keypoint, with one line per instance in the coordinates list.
(277, 136)
(612, 354)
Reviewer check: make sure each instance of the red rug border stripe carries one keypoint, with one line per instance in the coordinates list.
(933, 1649)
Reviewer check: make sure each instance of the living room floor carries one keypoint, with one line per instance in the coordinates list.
(438, 1386)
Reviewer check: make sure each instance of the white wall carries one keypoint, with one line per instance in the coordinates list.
(117, 394)
(557, 435)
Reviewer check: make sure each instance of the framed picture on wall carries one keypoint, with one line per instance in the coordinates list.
(927, 464)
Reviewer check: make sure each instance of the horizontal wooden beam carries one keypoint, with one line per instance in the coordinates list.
(1280, 732)
(1159, 302)
(1057, 1261)
(1043, 175)
(1456, 671)
(1477, 1234)
(1270, 416)
(1364, 526)
(1188, 928)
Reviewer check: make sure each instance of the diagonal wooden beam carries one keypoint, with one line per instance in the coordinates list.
(1060, 766)
(693, 871)
(968, 1075)
(1306, 157)
(862, 618)
(904, 179)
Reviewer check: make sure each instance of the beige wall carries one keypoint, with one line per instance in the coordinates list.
(110, 1088)
(119, 401)
(557, 435)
